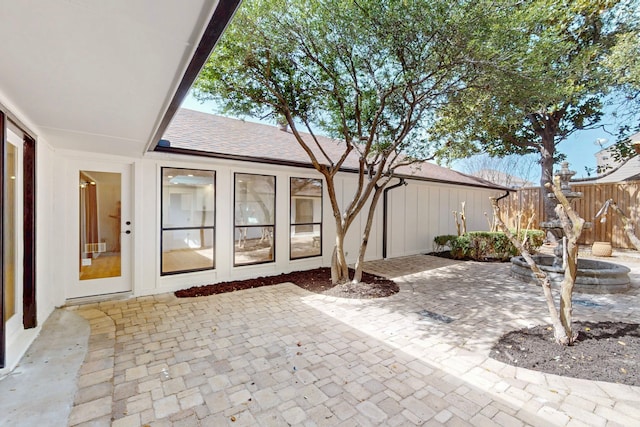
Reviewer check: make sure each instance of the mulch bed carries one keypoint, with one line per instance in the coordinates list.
(604, 351)
(317, 280)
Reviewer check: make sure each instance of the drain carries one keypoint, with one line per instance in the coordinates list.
(587, 303)
(435, 316)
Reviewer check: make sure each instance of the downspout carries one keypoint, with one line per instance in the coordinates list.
(503, 196)
(497, 200)
(385, 215)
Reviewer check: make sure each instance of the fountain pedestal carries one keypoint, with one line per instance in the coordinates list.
(596, 277)
(593, 277)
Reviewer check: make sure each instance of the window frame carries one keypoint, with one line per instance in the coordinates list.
(208, 227)
(273, 225)
(292, 223)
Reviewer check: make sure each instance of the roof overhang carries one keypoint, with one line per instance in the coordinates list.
(104, 76)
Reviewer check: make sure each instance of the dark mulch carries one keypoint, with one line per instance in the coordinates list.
(604, 351)
(317, 281)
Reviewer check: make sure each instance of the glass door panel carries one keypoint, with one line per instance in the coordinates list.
(10, 231)
(100, 253)
(13, 246)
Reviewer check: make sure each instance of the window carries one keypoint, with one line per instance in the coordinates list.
(306, 217)
(254, 219)
(188, 219)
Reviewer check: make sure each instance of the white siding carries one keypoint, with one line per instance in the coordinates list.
(417, 213)
(423, 210)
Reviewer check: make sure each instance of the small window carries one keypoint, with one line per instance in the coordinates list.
(188, 219)
(306, 218)
(254, 219)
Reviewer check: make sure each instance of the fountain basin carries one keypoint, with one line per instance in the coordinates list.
(593, 277)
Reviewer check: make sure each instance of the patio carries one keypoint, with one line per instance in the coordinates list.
(282, 356)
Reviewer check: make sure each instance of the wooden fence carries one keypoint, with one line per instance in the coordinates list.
(522, 204)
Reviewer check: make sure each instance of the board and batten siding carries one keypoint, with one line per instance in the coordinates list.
(417, 213)
(423, 210)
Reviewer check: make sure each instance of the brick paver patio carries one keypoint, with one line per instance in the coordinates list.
(279, 355)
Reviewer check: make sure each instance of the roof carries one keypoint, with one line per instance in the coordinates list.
(194, 132)
(624, 170)
(627, 171)
(102, 76)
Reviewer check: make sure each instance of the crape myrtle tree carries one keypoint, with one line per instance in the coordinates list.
(547, 81)
(369, 74)
(572, 225)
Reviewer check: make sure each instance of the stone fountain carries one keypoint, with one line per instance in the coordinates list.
(594, 277)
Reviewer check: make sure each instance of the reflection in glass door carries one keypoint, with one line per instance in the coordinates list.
(11, 297)
(100, 251)
(12, 233)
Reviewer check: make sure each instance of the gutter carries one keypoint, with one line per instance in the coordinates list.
(385, 214)
(164, 146)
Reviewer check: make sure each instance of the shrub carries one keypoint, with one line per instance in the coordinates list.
(489, 246)
(440, 242)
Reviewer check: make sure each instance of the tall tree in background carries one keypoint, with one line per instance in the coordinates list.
(542, 80)
(368, 73)
(510, 171)
(623, 62)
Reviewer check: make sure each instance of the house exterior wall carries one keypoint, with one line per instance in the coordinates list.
(47, 285)
(417, 213)
(422, 210)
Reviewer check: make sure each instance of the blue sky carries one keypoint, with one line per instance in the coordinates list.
(580, 147)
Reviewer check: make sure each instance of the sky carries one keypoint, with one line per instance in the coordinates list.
(580, 148)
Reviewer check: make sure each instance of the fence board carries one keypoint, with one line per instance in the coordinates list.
(519, 207)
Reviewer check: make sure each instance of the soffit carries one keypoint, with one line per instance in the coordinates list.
(97, 75)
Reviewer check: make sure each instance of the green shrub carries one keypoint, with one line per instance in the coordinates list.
(485, 245)
(439, 242)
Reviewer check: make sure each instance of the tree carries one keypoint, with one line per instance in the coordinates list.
(623, 62)
(542, 80)
(368, 73)
(510, 171)
(572, 225)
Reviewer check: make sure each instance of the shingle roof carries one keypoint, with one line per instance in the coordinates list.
(194, 132)
(627, 171)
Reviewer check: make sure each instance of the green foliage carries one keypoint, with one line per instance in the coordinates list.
(542, 76)
(358, 71)
(439, 242)
(486, 245)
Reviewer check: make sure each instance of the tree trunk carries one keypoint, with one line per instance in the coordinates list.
(566, 291)
(546, 176)
(572, 225)
(339, 267)
(572, 230)
(540, 275)
(357, 278)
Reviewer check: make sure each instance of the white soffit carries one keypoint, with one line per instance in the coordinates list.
(97, 75)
